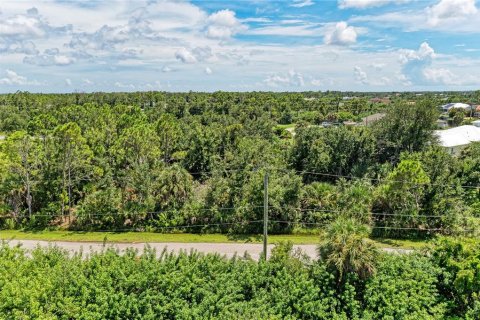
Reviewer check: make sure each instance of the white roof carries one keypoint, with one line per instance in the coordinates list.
(457, 105)
(458, 136)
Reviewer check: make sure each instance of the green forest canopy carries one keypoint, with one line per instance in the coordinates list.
(195, 161)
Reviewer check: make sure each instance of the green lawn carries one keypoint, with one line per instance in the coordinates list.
(135, 237)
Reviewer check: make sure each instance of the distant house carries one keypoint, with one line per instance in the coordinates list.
(372, 118)
(380, 100)
(477, 111)
(456, 105)
(456, 139)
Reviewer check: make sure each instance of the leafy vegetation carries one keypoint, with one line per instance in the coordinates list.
(195, 162)
(52, 284)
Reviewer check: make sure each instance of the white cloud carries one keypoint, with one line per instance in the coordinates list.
(450, 10)
(49, 57)
(458, 16)
(22, 26)
(195, 55)
(424, 53)
(124, 86)
(17, 46)
(185, 56)
(208, 70)
(360, 75)
(18, 30)
(156, 85)
(341, 34)
(223, 24)
(441, 76)
(377, 66)
(302, 3)
(292, 78)
(87, 82)
(68, 82)
(417, 67)
(12, 78)
(166, 69)
(362, 4)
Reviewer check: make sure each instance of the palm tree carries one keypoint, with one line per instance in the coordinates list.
(346, 248)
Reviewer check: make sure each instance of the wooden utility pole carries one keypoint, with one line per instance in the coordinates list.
(265, 214)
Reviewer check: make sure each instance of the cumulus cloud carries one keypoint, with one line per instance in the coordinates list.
(17, 46)
(414, 63)
(185, 56)
(377, 66)
(166, 69)
(417, 67)
(445, 16)
(362, 4)
(24, 26)
(208, 70)
(440, 75)
(448, 10)
(360, 75)
(119, 41)
(13, 78)
(292, 78)
(340, 34)
(124, 86)
(424, 53)
(87, 82)
(18, 31)
(302, 3)
(29, 26)
(223, 24)
(103, 39)
(195, 55)
(48, 58)
(68, 82)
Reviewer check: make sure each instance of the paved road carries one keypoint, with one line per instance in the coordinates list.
(227, 249)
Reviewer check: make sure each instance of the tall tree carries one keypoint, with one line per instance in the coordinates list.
(73, 158)
(405, 128)
(24, 158)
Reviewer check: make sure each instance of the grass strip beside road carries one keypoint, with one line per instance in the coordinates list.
(139, 237)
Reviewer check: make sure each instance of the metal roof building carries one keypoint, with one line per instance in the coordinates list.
(455, 139)
(457, 105)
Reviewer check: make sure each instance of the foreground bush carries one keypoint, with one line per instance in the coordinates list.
(50, 284)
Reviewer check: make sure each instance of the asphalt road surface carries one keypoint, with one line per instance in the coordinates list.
(225, 249)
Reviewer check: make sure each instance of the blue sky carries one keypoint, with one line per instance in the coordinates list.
(291, 45)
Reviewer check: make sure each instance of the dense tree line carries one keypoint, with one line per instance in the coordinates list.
(160, 161)
(443, 283)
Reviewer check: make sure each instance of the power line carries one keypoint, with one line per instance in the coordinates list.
(121, 214)
(373, 227)
(382, 180)
(138, 229)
